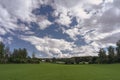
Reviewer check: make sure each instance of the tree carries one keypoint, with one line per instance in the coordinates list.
(77, 60)
(7, 54)
(33, 55)
(102, 56)
(25, 53)
(93, 60)
(118, 43)
(2, 46)
(54, 60)
(22, 53)
(111, 55)
(118, 51)
(69, 61)
(19, 56)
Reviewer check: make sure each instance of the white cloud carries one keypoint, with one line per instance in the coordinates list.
(98, 23)
(18, 8)
(73, 33)
(80, 13)
(66, 10)
(59, 47)
(87, 50)
(12, 10)
(2, 31)
(99, 26)
(44, 24)
(64, 19)
(49, 46)
(95, 2)
(9, 40)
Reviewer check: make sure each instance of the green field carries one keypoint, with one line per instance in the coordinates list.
(59, 72)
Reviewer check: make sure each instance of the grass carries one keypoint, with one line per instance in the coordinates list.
(59, 72)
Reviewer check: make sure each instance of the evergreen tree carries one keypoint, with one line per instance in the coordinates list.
(102, 56)
(25, 53)
(33, 55)
(77, 60)
(2, 46)
(54, 60)
(7, 54)
(111, 55)
(19, 55)
(118, 51)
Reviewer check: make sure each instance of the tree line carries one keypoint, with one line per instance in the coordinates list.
(17, 56)
(112, 55)
(105, 56)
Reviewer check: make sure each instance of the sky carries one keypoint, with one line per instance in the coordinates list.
(60, 28)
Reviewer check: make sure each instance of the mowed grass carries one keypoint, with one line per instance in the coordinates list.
(59, 72)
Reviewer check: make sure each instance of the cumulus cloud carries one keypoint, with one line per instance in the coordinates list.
(97, 23)
(49, 46)
(59, 47)
(64, 19)
(82, 9)
(44, 24)
(18, 8)
(12, 10)
(73, 33)
(106, 26)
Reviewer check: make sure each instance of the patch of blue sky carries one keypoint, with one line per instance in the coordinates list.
(45, 10)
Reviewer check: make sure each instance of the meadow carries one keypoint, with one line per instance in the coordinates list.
(47, 71)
